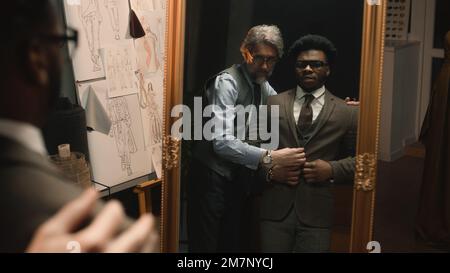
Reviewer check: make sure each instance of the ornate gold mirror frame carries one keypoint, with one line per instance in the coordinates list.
(367, 146)
(368, 128)
(173, 85)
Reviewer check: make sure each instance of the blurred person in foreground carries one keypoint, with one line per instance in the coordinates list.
(36, 199)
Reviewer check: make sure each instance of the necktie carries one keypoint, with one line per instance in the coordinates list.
(306, 115)
(257, 94)
(256, 102)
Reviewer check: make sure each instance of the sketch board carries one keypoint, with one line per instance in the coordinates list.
(129, 89)
(119, 156)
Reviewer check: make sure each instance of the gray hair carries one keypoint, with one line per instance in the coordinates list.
(268, 34)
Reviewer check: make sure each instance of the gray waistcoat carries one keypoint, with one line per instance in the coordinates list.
(203, 150)
(306, 135)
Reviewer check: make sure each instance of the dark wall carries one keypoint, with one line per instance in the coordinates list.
(340, 21)
(208, 29)
(442, 22)
(206, 41)
(68, 88)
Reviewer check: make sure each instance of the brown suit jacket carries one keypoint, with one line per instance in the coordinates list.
(32, 190)
(333, 140)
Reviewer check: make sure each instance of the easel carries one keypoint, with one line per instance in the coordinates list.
(143, 192)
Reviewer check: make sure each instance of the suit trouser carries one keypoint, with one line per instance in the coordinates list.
(291, 235)
(214, 211)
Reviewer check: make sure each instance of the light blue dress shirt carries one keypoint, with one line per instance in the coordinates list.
(224, 94)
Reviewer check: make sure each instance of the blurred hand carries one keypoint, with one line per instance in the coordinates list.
(286, 175)
(317, 171)
(57, 234)
(352, 102)
(289, 157)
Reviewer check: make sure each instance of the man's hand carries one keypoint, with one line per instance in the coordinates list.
(317, 171)
(287, 175)
(289, 157)
(351, 102)
(57, 234)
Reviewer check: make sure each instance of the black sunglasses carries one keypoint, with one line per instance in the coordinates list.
(312, 64)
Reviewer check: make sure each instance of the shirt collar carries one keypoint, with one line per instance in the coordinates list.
(318, 93)
(25, 134)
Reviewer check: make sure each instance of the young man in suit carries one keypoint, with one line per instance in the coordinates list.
(32, 189)
(222, 168)
(297, 217)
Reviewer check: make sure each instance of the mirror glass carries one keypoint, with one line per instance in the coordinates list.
(227, 207)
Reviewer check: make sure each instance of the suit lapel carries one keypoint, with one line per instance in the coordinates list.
(289, 110)
(327, 110)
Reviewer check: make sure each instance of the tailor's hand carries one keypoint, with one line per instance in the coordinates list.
(289, 157)
(286, 175)
(351, 102)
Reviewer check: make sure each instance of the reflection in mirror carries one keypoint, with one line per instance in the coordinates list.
(242, 194)
(412, 208)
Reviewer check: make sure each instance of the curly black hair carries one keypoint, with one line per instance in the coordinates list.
(313, 42)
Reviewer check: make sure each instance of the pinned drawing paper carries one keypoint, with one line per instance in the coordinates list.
(99, 22)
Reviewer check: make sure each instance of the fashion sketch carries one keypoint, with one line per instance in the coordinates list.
(162, 37)
(128, 68)
(147, 101)
(122, 132)
(112, 73)
(150, 47)
(91, 19)
(113, 13)
(120, 71)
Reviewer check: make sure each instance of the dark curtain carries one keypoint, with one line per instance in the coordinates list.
(434, 211)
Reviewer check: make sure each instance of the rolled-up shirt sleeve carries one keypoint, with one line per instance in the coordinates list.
(223, 95)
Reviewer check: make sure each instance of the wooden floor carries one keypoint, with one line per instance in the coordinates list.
(340, 234)
(397, 200)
